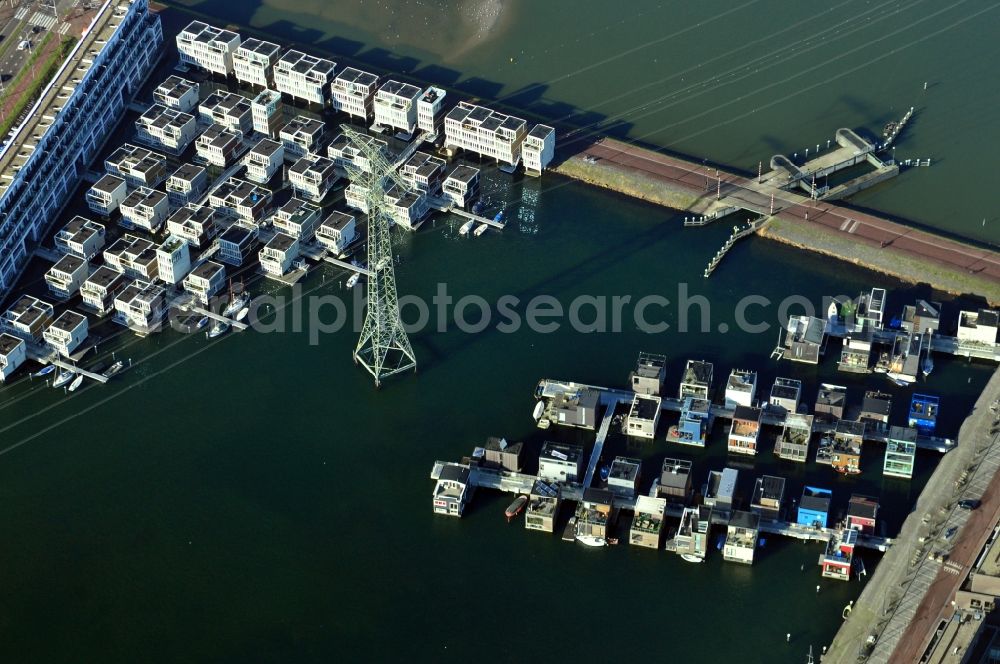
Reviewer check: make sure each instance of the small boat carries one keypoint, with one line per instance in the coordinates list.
(63, 377)
(243, 313)
(928, 366)
(114, 369)
(482, 228)
(605, 472)
(202, 323)
(466, 227)
(499, 217)
(591, 540)
(691, 558)
(236, 301)
(539, 409)
(45, 371)
(218, 329)
(353, 280)
(515, 507)
(77, 382)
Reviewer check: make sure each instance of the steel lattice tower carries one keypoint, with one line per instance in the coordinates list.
(383, 348)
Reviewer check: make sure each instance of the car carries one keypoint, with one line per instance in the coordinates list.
(36, 29)
(950, 532)
(969, 503)
(23, 45)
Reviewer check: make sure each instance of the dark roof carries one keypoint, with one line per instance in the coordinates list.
(741, 519)
(815, 503)
(862, 506)
(746, 413)
(452, 473)
(602, 496)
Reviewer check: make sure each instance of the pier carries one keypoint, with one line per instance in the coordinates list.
(443, 205)
(738, 234)
(348, 266)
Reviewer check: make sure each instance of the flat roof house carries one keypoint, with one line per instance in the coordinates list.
(543, 508)
(693, 532)
(298, 219)
(304, 76)
(836, 560)
(395, 106)
(786, 393)
(346, 156)
(498, 453)
(407, 208)
(539, 149)
(692, 425)
(177, 93)
(337, 232)
(647, 522)
(353, 92)
(485, 132)
(138, 166)
(165, 128)
(848, 438)
(461, 187)
(793, 444)
(675, 481)
(173, 260)
(106, 195)
(268, 113)
(453, 490)
(978, 327)
(98, 292)
(643, 416)
(830, 402)
(923, 414)
(186, 185)
(593, 514)
(429, 107)
(744, 431)
(67, 333)
(253, 62)
(741, 388)
(741, 537)
(719, 491)
(814, 507)
(13, 353)
(559, 462)
(241, 200)
(264, 161)
(277, 255)
(768, 493)
(862, 512)
(300, 136)
(27, 318)
(855, 355)
(623, 476)
(921, 317)
(805, 339)
(195, 224)
(424, 172)
(133, 256)
(141, 306)
(875, 410)
(312, 177)
(80, 237)
(206, 280)
(65, 277)
(219, 146)
(697, 380)
(229, 109)
(207, 47)
(145, 208)
(900, 452)
(236, 245)
(650, 372)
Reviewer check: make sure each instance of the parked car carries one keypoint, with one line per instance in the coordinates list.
(23, 45)
(969, 503)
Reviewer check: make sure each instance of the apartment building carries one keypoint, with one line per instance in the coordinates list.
(424, 173)
(429, 111)
(461, 187)
(173, 260)
(219, 146)
(207, 47)
(347, 156)
(485, 132)
(353, 92)
(195, 224)
(267, 112)
(236, 245)
(312, 177)
(539, 149)
(241, 200)
(106, 195)
(356, 197)
(395, 106)
(407, 208)
(337, 232)
(27, 318)
(298, 219)
(80, 237)
(178, 93)
(304, 76)
(138, 166)
(50, 150)
(205, 281)
(228, 109)
(66, 276)
(145, 208)
(253, 61)
(264, 161)
(186, 185)
(13, 353)
(141, 306)
(101, 288)
(301, 136)
(133, 256)
(167, 129)
(67, 333)
(278, 254)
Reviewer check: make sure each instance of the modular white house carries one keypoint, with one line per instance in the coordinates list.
(52, 148)
(206, 280)
(187, 184)
(304, 76)
(173, 260)
(67, 333)
(264, 160)
(13, 353)
(207, 47)
(80, 237)
(353, 92)
(539, 149)
(396, 106)
(106, 195)
(429, 108)
(336, 232)
(138, 166)
(166, 129)
(195, 224)
(145, 208)
(253, 62)
(267, 113)
(301, 136)
(178, 93)
(298, 219)
(67, 275)
(231, 110)
(218, 145)
(485, 132)
(312, 177)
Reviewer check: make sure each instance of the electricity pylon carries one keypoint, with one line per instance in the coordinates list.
(383, 348)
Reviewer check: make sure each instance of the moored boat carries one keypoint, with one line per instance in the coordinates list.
(77, 382)
(691, 558)
(218, 329)
(516, 507)
(114, 369)
(243, 313)
(45, 371)
(353, 280)
(591, 540)
(539, 409)
(63, 377)
(203, 322)
(466, 227)
(482, 228)
(236, 301)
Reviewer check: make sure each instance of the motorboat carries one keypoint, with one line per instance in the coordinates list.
(691, 558)
(77, 382)
(63, 377)
(114, 368)
(466, 227)
(218, 329)
(539, 409)
(243, 313)
(516, 507)
(353, 280)
(202, 323)
(482, 228)
(45, 371)
(591, 540)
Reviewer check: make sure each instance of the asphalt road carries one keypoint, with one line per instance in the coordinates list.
(18, 30)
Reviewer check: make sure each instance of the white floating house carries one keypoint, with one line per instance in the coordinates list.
(304, 76)
(207, 47)
(219, 146)
(353, 92)
(539, 149)
(195, 224)
(205, 281)
(301, 136)
(337, 232)
(138, 166)
(186, 185)
(178, 93)
(396, 106)
(312, 177)
(67, 333)
(264, 161)
(13, 353)
(253, 62)
(67, 275)
(173, 260)
(80, 237)
(228, 109)
(485, 132)
(145, 208)
(165, 128)
(106, 195)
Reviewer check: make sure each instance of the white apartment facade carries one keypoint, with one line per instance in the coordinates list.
(145, 208)
(485, 132)
(539, 149)
(207, 47)
(166, 129)
(353, 92)
(396, 106)
(304, 76)
(173, 260)
(253, 61)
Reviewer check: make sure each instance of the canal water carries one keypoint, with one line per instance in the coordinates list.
(256, 499)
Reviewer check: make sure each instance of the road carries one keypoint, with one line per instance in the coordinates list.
(29, 21)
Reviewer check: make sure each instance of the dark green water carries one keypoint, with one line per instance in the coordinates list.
(255, 499)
